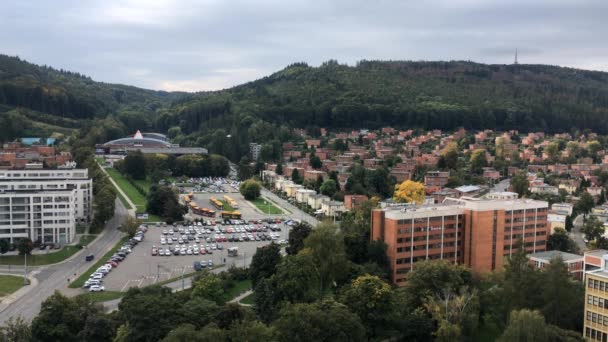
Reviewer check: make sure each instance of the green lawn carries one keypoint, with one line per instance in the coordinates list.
(104, 296)
(237, 289)
(144, 184)
(247, 300)
(123, 200)
(86, 239)
(134, 195)
(227, 207)
(9, 284)
(266, 206)
(100, 261)
(40, 259)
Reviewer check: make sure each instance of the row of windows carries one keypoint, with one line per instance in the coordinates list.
(596, 335)
(424, 229)
(597, 301)
(446, 244)
(597, 285)
(597, 318)
(449, 255)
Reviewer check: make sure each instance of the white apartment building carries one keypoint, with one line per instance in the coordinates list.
(254, 150)
(44, 205)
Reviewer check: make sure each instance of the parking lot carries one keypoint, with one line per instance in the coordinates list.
(248, 210)
(141, 268)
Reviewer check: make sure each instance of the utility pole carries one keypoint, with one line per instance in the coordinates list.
(183, 280)
(25, 282)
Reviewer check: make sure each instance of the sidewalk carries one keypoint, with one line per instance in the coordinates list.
(240, 297)
(7, 300)
(131, 204)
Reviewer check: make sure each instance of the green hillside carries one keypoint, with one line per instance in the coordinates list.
(371, 94)
(39, 99)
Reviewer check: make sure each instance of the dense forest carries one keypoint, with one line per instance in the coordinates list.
(371, 94)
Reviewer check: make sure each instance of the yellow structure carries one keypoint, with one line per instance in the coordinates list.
(596, 305)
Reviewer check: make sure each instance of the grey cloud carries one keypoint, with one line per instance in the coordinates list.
(211, 44)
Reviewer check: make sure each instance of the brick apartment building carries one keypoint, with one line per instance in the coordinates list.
(436, 178)
(475, 232)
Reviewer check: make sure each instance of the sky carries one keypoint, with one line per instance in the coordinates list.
(188, 45)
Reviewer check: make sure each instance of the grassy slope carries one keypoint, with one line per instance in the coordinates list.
(40, 259)
(9, 284)
(104, 296)
(266, 208)
(138, 199)
(237, 289)
(248, 300)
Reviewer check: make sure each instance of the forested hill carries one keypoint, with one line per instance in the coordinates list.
(417, 94)
(65, 93)
(371, 94)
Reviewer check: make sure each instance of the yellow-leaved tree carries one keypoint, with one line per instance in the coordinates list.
(409, 192)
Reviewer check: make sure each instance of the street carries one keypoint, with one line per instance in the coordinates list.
(296, 213)
(55, 277)
(501, 186)
(576, 234)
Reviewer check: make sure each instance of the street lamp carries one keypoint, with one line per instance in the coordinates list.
(25, 282)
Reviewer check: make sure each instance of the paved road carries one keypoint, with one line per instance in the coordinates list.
(501, 186)
(55, 277)
(297, 213)
(576, 234)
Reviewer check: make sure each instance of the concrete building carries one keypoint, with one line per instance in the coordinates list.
(332, 208)
(574, 262)
(352, 201)
(566, 208)
(303, 194)
(556, 220)
(152, 143)
(596, 296)
(315, 201)
(254, 150)
(471, 231)
(44, 205)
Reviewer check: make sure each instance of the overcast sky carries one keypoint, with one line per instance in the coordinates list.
(212, 44)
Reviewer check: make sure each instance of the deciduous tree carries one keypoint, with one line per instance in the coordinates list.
(327, 248)
(297, 235)
(321, 321)
(250, 189)
(372, 300)
(409, 192)
(520, 183)
(264, 262)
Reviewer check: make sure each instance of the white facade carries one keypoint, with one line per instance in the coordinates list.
(44, 205)
(45, 216)
(255, 150)
(332, 208)
(302, 195)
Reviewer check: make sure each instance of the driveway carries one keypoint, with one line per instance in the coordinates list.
(576, 234)
(296, 212)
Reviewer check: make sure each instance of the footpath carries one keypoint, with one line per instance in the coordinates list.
(124, 195)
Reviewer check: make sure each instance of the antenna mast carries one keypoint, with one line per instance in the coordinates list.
(515, 57)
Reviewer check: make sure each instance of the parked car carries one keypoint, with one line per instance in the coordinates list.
(96, 288)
